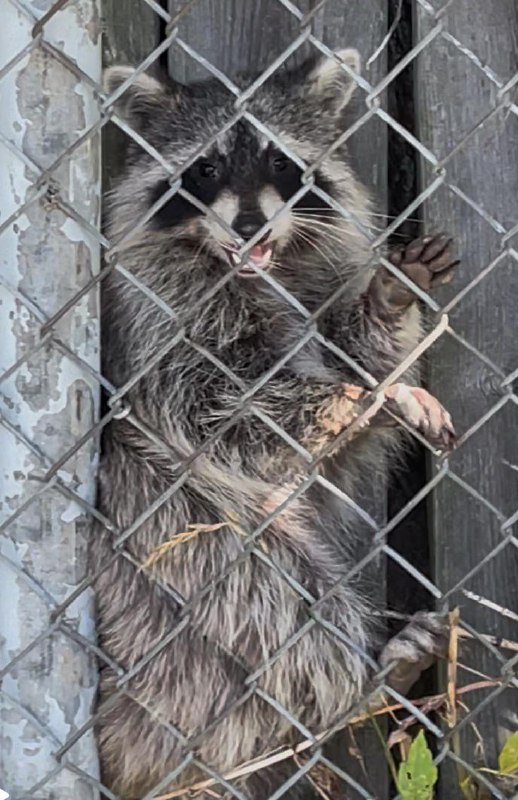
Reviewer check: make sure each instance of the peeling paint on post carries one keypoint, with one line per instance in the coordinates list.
(50, 400)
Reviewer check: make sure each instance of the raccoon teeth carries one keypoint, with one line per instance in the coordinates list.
(259, 256)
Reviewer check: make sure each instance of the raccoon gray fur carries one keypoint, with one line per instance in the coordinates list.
(216, 633)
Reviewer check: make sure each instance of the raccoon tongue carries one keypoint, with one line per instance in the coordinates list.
(260, 255)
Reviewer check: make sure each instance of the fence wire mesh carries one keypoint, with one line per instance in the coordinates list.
(53, 635)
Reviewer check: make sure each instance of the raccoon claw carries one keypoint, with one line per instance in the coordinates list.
(428, 261)
(423, 412)
(424, 640)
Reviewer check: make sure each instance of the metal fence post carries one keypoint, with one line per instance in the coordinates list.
(49, 209)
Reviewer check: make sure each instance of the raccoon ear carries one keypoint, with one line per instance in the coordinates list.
(331, 82)
(144, 95)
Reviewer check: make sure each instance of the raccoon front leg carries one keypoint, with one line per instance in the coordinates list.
(317, 415)
(416, 648)
(384, 325)
(428, 261)
(350, 404)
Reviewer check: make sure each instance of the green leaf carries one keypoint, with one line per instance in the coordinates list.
(508, 758)
(417, 774)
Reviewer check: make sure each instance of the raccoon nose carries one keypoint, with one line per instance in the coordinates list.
(246, 224)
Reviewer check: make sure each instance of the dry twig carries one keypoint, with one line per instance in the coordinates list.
(278, 755)
(179, 538)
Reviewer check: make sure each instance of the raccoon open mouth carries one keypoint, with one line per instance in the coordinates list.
(260, 256)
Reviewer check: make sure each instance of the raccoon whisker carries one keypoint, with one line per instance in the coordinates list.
(329, 245)
(201, 248)
(330, 228)
(325, 220)
(315, 220)
(295, 247)
(326, 232)
(325, 239)
(318, 216)
(325, 242)
(312, 244)
(331, 211)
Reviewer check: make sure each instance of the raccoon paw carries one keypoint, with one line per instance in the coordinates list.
(423, 412)
(424, 640)
(428, 261)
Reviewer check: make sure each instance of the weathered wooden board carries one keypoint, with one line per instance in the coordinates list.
(247, 35)
(453, 94)
(131, 31)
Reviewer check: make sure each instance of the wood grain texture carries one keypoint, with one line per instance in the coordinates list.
(452, 95)
(131, 31)
(247, 35)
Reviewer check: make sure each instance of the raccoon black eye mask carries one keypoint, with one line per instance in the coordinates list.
(251, 180)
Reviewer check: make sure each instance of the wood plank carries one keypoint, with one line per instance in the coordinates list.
(242, 35)
(453, 95)
(131, 31)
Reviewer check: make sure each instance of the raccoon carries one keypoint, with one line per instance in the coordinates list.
(225, 596)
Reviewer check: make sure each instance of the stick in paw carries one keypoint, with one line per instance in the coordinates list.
(352, 408)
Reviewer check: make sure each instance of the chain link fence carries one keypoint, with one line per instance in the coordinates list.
(54, 258)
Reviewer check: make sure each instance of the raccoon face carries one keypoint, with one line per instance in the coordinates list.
(243, 186)
(246, 182)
